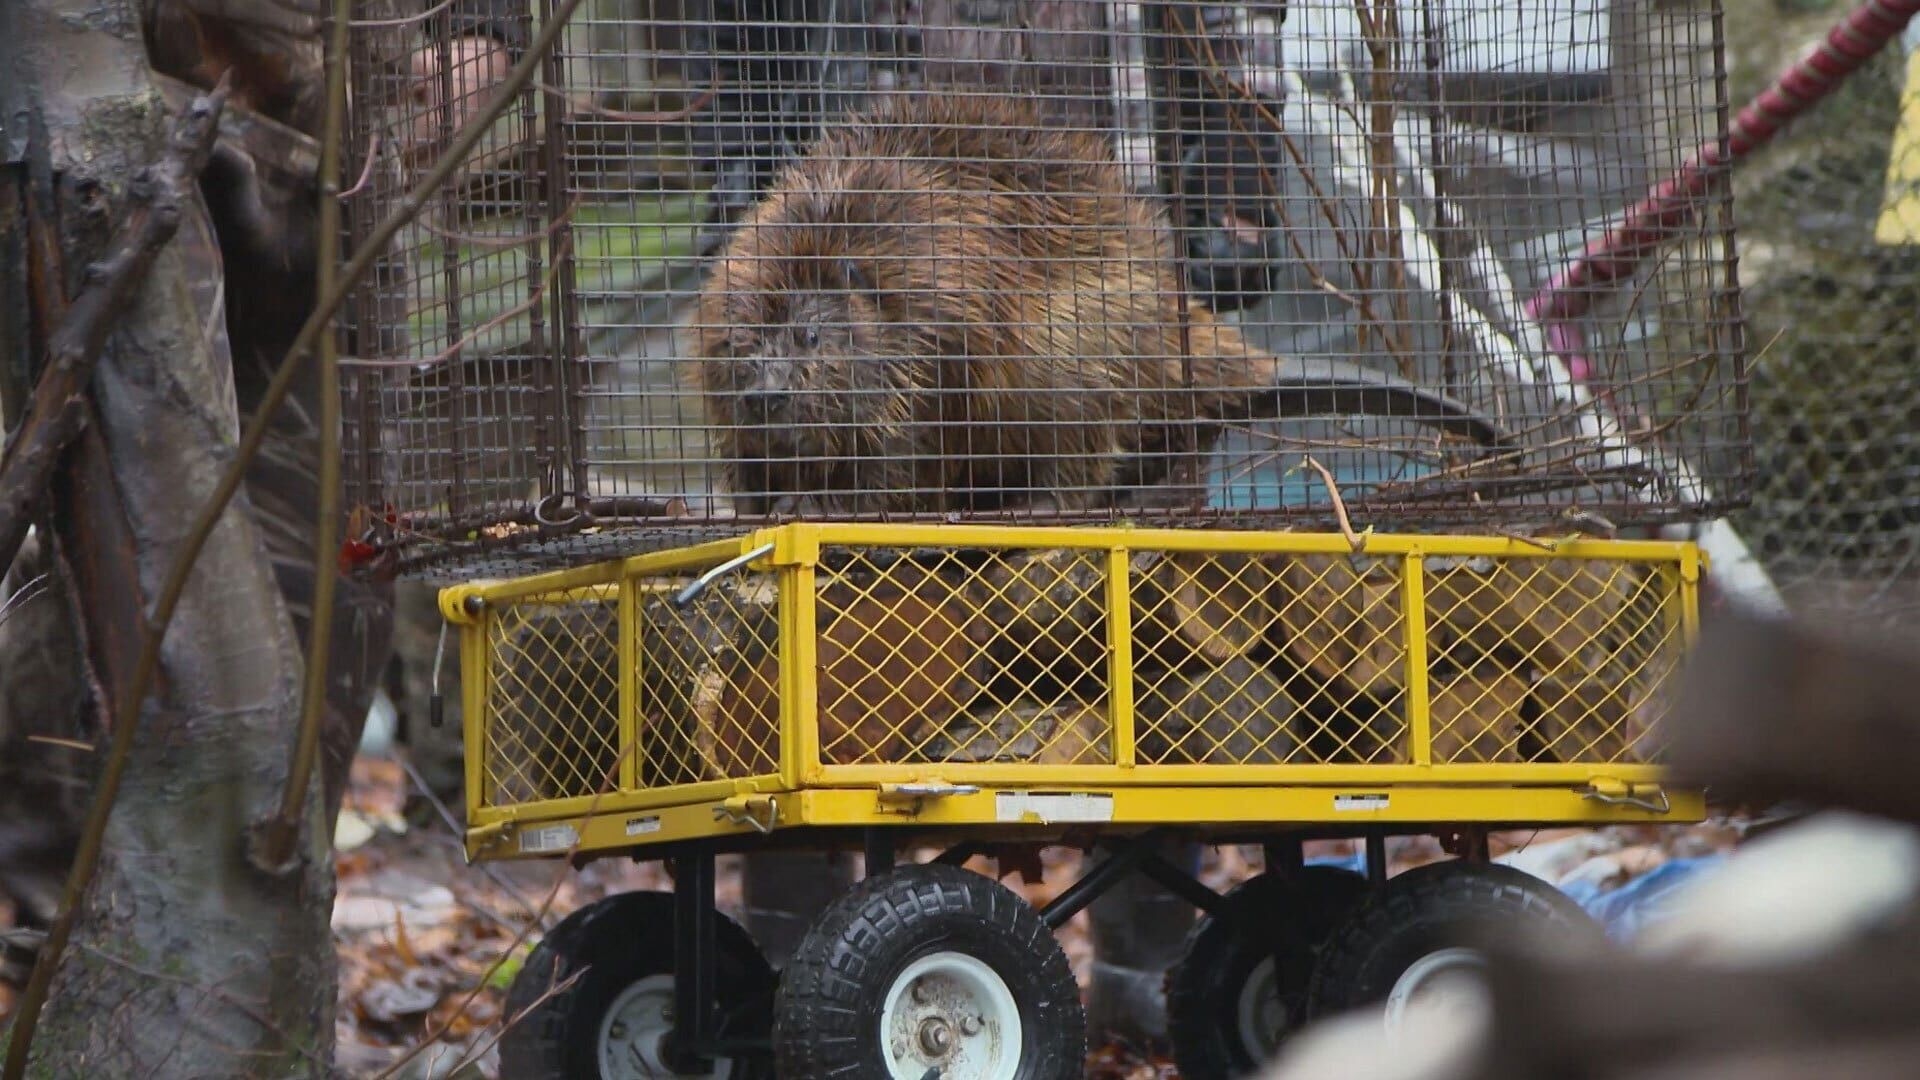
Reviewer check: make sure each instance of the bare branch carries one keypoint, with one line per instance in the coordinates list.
(57, 410)
(480, 1051)
(277, 838)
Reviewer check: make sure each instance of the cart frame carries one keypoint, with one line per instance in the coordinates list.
(1014, 798)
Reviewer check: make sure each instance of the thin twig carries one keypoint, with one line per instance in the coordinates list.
(565, 866)
(1354, 539)
(366, 169)
(1272, 191)
(1520, 537)
(477, 240)
(55, 740)
(249, 1011)
(1216, 74)
(479, 1051)
(403, 20)
(1381, 33)
(278, 836)
(23, 595)
(127, 713)
(58, 407)
(453, 825)
(22, 938)
(663, 116)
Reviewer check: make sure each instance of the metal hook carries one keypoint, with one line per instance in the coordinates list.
(542, 509)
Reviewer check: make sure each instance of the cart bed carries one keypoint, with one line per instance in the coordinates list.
(1031, 680)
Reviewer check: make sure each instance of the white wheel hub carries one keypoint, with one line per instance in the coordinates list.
(1445, 979)
(635, 1027)
(1259, 1014)
(951, 1012)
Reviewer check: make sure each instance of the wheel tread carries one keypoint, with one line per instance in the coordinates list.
(1425, 900)
(1294, 911)
(634, 924)
(820, 1001)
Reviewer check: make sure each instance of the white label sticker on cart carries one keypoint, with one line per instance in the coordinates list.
(1360, 803)
(1065, 806)
(550, 838)
(640, 826)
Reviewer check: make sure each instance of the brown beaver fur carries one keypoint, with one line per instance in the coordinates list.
(946, 305)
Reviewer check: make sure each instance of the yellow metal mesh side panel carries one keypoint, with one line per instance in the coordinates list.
(1243, 659)
(915, 650)
(1549, 660)
(552, 709)
(709, 678)
(957, 656)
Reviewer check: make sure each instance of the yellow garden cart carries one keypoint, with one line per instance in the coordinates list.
(983, 689)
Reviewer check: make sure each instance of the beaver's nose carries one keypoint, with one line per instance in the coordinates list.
(761, 405)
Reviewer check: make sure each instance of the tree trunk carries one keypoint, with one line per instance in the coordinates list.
(185, 961)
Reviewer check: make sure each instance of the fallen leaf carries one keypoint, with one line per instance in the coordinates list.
(389, 1000)
(400, 944)
(351, 830)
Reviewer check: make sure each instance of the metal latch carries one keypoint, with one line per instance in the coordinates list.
(489, 835)
(1649, 797)
(758, 811)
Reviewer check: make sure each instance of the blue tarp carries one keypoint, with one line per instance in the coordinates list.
(1627, 910)
(1624, 911)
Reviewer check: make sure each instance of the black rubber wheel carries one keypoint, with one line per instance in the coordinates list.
(625, 944)
(1241, 984)
(930, 967)
(1432, 916)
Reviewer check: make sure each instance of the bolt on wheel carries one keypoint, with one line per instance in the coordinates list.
(949, 1011)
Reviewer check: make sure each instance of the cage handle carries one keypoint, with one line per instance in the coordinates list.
(699, 585)
(436, 703)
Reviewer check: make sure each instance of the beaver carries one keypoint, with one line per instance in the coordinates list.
(947, 304)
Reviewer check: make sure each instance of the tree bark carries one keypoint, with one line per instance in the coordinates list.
(184, 960)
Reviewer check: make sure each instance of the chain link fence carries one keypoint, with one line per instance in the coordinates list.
(1829, 225)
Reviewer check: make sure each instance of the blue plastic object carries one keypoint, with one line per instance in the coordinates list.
(1624, 911)
(1639, 903)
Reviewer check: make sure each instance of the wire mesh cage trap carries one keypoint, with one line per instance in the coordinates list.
(1831, 281)
(731, 262)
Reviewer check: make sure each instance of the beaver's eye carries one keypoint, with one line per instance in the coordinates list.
(810, 336)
